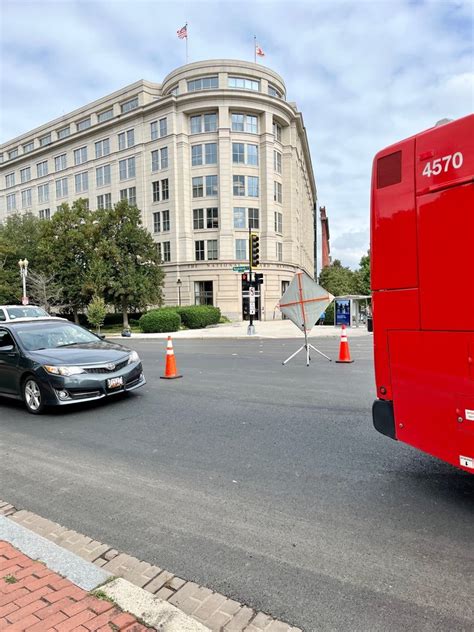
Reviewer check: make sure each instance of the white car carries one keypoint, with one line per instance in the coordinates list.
(10, 313)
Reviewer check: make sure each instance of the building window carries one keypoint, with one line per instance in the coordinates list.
(159, 159)
(28, 147)
(199, 253)
(60, 162)
(244, 84)
(252, 186)
(277, 131)
(42, 169)
(212, 217)
(81, 181)
(61, 188)
(64, 132)
(11, 202)
(102, 148)
(45, 140)
(278, 222)
(274, 92)
(158, 129)
(104, 201)
(126, 139)
(203, 123)
(203, 293)
(212, 254)
(166, 251)
(43, 193)
(244, 154)
(1, 158)
(166, 220)
(244, 123)
(129, 105)
(198, 218)
(203, 83)
(127, 168)
(208, 156)
(238, 153)
(279, 251)
(196, 155)
(10, 180)
(161, 190)
(105, 116)
(157, 222)
(277, 192)
(163, 127)
(210, 184)
(80, 155)
(241, 249)
(25, 174)
(44, 213)
(239, 185)
(130, 195)
(253, 218)
(84, 124)
(277, 161)
(102, 175)
(161, 221)
(13, 153)
(239, 217)
(26, 198)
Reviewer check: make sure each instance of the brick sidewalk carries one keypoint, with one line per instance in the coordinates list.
(36, 599)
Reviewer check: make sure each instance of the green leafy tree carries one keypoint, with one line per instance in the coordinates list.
(362, 276)
(338, 279)
(96, 312)
(66, 248)
(133, 275)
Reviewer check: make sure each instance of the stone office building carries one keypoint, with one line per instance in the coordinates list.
(212, 151)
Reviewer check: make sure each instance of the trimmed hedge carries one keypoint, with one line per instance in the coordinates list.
(159, 321)
(112, 318)
(199, 316)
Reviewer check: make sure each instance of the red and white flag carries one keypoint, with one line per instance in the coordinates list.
(259, 51)
(183, 32)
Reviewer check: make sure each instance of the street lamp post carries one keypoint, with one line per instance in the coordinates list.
(179, 283)
(23, 263)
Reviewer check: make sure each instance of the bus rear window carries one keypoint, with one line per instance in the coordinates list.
(389, 170)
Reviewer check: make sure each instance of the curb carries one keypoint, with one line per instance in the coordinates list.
(183, 606)
(151, 610)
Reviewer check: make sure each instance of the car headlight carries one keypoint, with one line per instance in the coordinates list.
(63, 370)
(133, 357)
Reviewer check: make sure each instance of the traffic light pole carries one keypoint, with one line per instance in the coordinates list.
(250, 328)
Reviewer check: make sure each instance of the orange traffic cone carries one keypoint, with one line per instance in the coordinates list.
(171, 372)
(344, 352)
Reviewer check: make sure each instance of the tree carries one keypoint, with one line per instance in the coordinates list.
(131, 270)
(44, 290)
(66, 248)
(338, 279)
(362, 276)
(96, 312)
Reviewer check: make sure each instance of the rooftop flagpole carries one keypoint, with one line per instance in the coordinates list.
(255, 49)
(187, 55)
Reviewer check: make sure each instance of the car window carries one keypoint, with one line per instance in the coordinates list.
(5, 339)
(27, 311)
(53, 337)
(2, 315)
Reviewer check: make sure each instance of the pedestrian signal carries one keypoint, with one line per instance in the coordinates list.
(254, 250)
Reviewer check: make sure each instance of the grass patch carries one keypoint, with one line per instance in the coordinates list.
(103, 596)
(10, 579)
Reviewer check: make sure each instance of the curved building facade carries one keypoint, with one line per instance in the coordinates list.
(211, 152)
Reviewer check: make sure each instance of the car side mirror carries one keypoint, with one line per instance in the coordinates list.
(7, 349)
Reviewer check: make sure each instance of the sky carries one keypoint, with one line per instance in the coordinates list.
(364, 74)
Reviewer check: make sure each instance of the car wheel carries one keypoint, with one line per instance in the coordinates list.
(33, 396)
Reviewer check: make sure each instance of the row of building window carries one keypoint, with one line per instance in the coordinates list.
(207, 250)
(81, 125)
(241, 83)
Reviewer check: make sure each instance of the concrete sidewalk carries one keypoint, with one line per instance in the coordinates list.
(263, 329)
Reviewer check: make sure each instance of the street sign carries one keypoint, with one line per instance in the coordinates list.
(252, 301)
(240, 269)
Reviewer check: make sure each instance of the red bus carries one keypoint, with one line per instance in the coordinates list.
(422, 255)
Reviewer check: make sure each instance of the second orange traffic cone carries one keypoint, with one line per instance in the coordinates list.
(171, 372)
(344, 351)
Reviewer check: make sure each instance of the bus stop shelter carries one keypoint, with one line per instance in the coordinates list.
(351, 310)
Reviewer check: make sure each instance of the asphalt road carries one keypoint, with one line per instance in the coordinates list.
(264, 482)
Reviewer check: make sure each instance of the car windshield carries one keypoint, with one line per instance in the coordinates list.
(26, 312)
(53, 336)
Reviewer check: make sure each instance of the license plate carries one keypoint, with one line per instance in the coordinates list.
(115, 382)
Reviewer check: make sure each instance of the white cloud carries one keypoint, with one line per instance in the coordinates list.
(364, 73)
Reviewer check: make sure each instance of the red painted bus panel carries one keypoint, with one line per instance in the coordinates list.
(446, 258)
(396, 240)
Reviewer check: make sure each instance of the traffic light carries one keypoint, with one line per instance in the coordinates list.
(254, 250)
(245, 282)
(258, 278)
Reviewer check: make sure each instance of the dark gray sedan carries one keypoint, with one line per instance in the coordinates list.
(53, 362)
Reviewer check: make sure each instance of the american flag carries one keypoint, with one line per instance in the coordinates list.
(182, 32)
(259, 51)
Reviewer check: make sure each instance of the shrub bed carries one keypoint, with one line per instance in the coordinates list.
(199, 316)
(159, 321)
